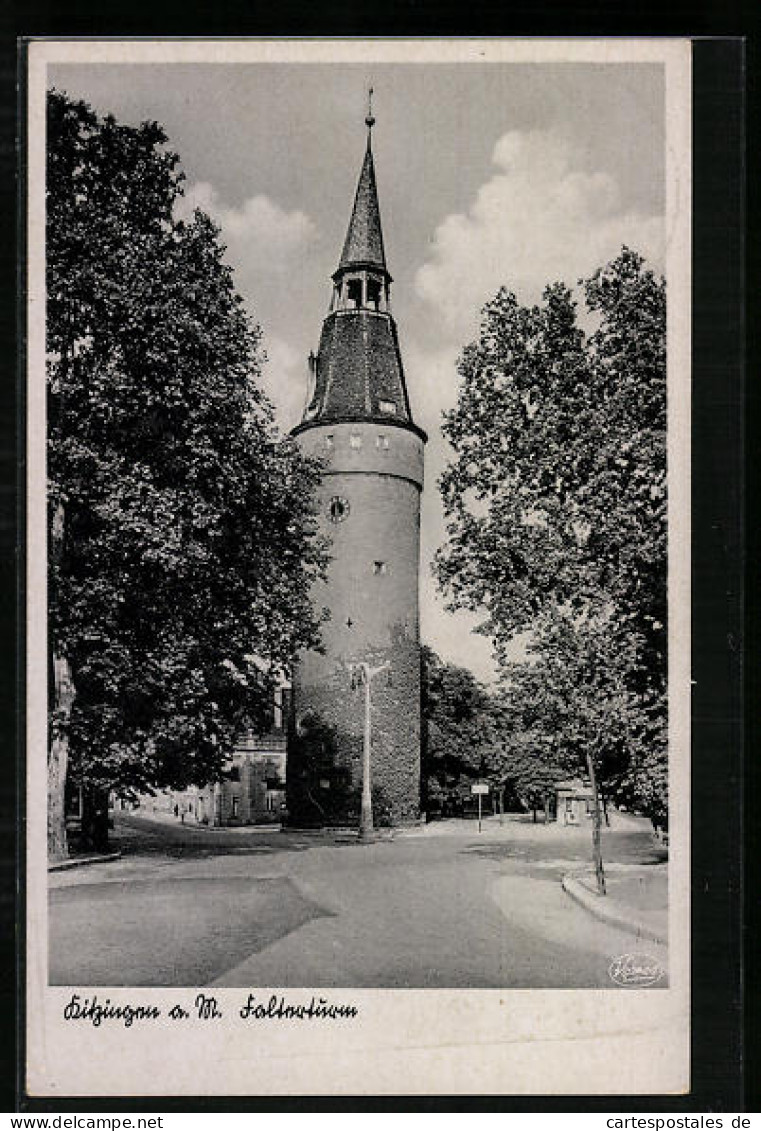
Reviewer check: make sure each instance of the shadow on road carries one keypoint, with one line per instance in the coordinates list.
(140, 836)
(178, 932)
(617, 848)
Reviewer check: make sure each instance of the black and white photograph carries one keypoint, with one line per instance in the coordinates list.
(358, 729)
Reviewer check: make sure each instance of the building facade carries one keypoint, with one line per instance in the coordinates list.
(252, 789)
(358, 422)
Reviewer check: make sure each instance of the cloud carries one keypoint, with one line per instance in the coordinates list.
(537, 220)
(284, 381)
(267, 248)
(260, 227)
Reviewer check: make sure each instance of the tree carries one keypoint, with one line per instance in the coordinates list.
(182, 526)
(555, 504)
(458, 727)
(523, 761)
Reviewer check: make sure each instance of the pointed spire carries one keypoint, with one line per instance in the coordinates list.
(358, 373)
(364, 239)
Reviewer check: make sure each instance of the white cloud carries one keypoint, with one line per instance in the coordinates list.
(266, 246)
(284, 381)
(260, 227)
(537, 220)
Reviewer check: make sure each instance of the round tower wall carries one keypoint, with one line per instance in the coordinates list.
(371, 485)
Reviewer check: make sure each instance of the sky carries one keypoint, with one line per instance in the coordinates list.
(489, 174)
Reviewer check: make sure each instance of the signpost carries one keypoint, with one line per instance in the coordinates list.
(479, 788)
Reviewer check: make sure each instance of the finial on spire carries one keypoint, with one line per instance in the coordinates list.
(370, 120)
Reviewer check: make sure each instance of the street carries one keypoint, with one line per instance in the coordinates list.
(438, 907)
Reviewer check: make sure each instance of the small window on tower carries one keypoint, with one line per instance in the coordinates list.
(388, 407)
(382, 442)
(373, 293)
(354, 291)
(328, 441)
(355, 440)
(380, 567)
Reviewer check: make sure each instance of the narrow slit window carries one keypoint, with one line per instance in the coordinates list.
(329, 441)
(382, 442)
(355, 440)
(380, 568)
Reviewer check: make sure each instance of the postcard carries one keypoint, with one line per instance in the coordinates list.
(358, 567)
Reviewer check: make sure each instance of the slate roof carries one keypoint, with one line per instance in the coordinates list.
(358, 372)
(359, 369)
(364, 238)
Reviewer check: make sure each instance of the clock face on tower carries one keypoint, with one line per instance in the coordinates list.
(338, 508)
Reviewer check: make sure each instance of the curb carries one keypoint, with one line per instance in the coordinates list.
(613, 913)
(79, 862)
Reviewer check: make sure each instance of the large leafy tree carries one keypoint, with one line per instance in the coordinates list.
(182, 526)
(458, 725)
(523, 764)
(556, 511)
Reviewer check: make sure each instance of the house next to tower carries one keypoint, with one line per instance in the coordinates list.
(358, 421)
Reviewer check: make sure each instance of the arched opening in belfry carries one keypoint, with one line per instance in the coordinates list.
(354, 292)
(373, 293)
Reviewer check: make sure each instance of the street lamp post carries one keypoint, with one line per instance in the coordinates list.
(366, 675)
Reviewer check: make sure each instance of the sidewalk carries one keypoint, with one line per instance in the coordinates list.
(636, 900)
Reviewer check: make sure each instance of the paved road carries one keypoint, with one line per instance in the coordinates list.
(443, 908)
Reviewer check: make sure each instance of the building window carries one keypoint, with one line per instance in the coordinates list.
(235, 806)
(389, 407)
(382, 442)
(380, 567)
(373, 293)
(328, 441)
(354, 292)
(355, 440)
(338, 509)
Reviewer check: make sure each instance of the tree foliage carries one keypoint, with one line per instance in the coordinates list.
(459, 734)
(555, 504)
(182, 525)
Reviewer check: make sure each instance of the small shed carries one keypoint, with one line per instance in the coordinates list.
(575, 801)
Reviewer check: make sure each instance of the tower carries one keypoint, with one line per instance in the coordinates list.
(358, 422)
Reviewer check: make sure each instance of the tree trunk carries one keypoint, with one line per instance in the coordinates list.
(501, 804)
(546, 808)
(533, 811)
(58, 760)
(596, 823)
(604, 800)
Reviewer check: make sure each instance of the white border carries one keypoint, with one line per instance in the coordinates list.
(426, 1042)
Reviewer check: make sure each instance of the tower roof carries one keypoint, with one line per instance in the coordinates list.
(364, 239)
(357, 372)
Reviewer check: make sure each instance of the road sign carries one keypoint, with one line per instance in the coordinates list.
(480, 788)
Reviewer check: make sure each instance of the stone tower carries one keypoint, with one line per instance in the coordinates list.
(358, 421)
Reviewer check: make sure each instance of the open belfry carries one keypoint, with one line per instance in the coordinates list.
(358, 422)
